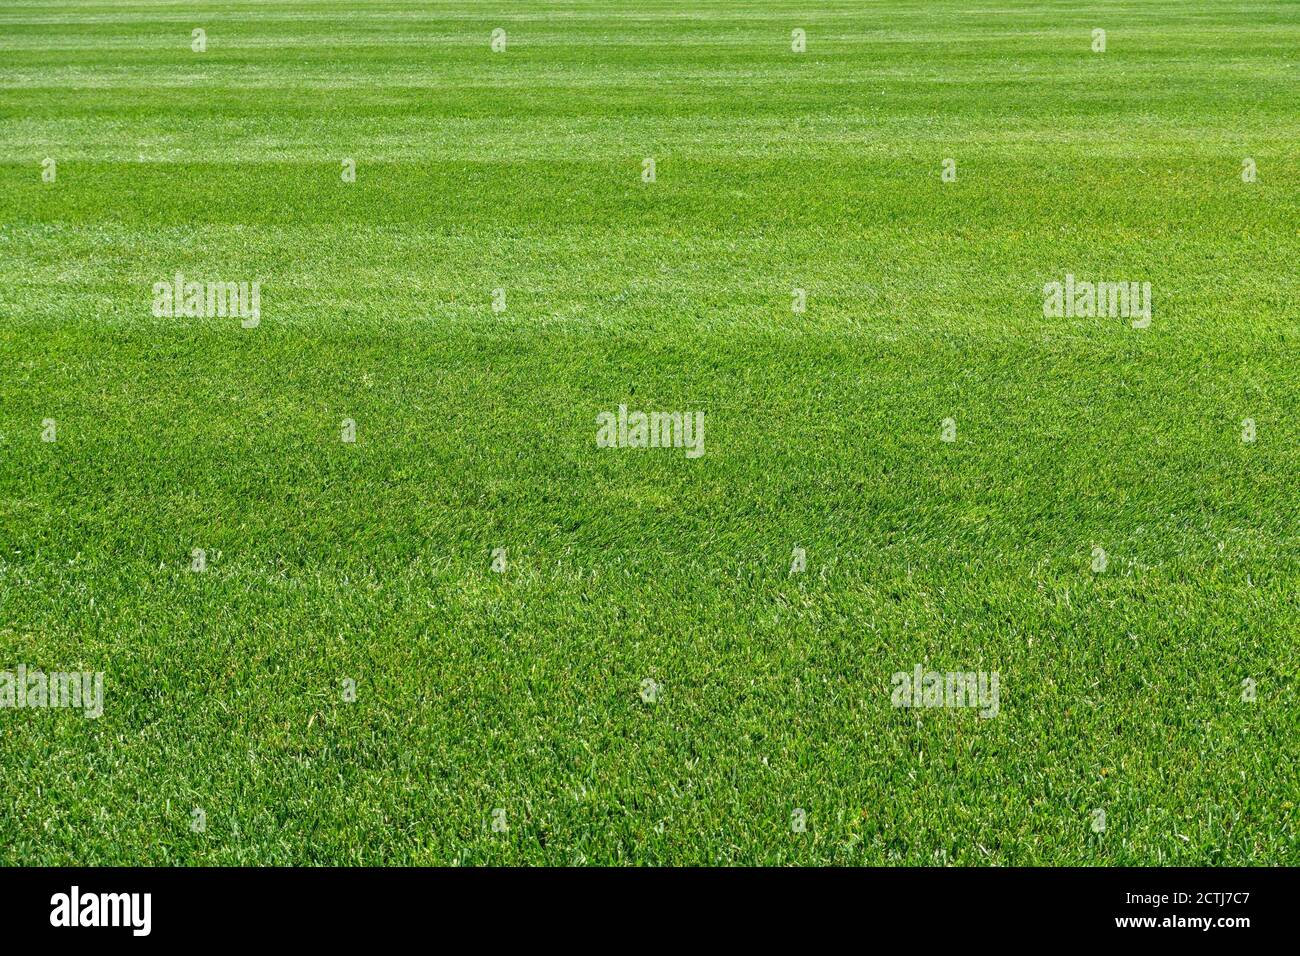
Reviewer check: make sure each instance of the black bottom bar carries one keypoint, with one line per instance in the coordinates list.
(339, 906)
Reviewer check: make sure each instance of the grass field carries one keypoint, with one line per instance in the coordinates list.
(1122, 690)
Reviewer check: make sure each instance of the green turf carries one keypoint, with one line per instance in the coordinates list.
(521, 170)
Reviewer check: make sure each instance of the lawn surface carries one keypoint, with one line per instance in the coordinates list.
(522, 691)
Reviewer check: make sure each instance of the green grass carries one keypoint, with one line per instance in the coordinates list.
(476, 430)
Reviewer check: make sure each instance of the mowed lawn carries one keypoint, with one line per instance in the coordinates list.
(518, 698)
